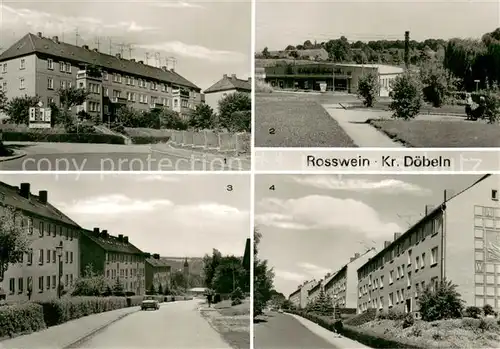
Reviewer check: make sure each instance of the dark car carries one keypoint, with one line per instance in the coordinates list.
(150, 303)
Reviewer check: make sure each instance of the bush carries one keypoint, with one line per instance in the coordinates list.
(473, 312)
(241, 121)
(409, 320)
(368, 89)
(407, 97)
(488, 310)
(62, 137)
(149, 139)
(491, 105)
(134, 301)
(20, 319)
(81, 128)
(117, 127)
(363, 318)
(217, 298)
(236, 296)
(338, 326)
(58, 311)
(436, 85)
(442, 303)
(263, 87)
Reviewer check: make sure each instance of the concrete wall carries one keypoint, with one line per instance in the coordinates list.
(210, 140)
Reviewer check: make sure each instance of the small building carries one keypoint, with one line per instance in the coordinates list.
(115, 258)
(323, 77)
(53, 257)
(158, 273)
(224, 87)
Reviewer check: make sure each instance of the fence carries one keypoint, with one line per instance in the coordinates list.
(209, 140)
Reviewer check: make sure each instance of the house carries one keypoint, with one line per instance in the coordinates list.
(224, 87)
(158, 273)
(53, 257)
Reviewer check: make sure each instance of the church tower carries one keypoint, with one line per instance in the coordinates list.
(186, 272)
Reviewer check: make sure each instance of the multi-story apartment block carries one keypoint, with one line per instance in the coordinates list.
(458, 240)
(158, 272)
(224, 87)
(53, 257)
(299, 297)
(36, 65)
(314, 291)
(115, 258)
(342, 286)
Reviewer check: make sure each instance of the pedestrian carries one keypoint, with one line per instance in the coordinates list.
(209, 299)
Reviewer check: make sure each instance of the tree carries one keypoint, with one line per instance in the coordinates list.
(3, 101)
(18, 108)
(179, 281)
(118, 288)
(14, 242)
(265, 53)
(369, 88)
(160, 289)
(90, 284)
(262, 279)
(203, 118)
(443, 302)
(70, 97)
(234, 102)
(229, 275)
(435, 83)
(407, 96)
(236, 296)
(152, 289)
(171, 120)
(277, 299)
(210, 264)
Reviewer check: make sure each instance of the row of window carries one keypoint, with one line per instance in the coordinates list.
(124, 258)
(124, 273)
(47, 229)
(44, 257)
(44, 283)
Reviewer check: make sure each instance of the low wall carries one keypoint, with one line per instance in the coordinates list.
(238, 143)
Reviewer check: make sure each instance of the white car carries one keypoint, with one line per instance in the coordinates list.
(150, 303)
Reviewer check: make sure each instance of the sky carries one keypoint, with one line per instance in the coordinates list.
(280, 23)
(173, 215)
(313, 224)
(207, 38)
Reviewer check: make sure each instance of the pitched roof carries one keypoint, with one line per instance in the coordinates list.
(10, 195)
(158, 262)
(31, 43)
(112, 243)
(230, 83)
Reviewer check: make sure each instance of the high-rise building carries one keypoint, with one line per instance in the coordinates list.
(457, 240)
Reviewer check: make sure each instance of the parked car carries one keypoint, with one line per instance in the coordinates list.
(150, 303)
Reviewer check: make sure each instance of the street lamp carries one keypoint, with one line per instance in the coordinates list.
(59, 250)
(334, 307)
(477, 84)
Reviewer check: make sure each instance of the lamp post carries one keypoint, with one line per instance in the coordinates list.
(334, 307)
(59, 250)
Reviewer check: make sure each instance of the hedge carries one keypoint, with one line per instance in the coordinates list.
(360, 319)
(58, 311)
(21, 318)
(149, 139)
(62, 137)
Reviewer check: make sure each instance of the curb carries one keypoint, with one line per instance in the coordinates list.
(19, 155)
(94, 332)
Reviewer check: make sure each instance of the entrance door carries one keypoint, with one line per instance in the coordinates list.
(408, 305)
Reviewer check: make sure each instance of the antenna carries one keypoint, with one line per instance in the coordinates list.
(110, 45)
(147, 57)
(409, 218)
(174, 61)
(98, 43)
(130, 48)
(121, 47)
(158, 59)
(77, 36)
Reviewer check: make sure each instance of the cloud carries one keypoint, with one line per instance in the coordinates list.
(313, 269)
(176, 4)
(288, 275)
(194, 51)
(388, 186)
(324, 212)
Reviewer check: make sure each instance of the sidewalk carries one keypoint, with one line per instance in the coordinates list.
(240, 163)
(336, 340)
(67, 334)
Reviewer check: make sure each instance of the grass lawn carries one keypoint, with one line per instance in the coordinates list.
(232, 322)
(296, 123)
(445, 134)
(456, 333)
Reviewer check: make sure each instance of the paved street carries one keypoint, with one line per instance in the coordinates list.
(107, 157)
(175, 326)
(284, 331)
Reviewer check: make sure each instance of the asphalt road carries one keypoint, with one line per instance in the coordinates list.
(281, 331)
(175, 326)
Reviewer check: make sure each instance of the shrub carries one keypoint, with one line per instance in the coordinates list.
(338, 326)
(368, 89)
(435, 83)
(407, 97)
(240, 121)
(217, 298)
(409, 320)
(491, 105)
(473, 312)
(81, 128)
(395, 314)
(21, 318)
(58, 311)
(149, 139)
(488, 310)
(263, 87)
(442, 303)
(236, 296)
(363, 318)
(228, 105)
(62, 137)
(117, 127)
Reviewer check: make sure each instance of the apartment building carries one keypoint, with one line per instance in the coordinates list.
(342, 286)
(115, 258)
(37, 65)
(158, 273)
(459, 240)
(53, 257)
(314, 291)
(224, 87)
(299, 297)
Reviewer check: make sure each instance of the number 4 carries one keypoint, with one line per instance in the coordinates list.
(272, 187)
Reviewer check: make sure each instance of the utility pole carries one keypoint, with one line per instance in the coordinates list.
(407, 50)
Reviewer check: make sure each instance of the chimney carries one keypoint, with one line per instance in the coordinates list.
(164, 68)
(42, 196)
(141, 62)
(407, 50)
(356, 255)
(233, 76)
(396, 236)
(96, 231)
(351, 259)
(104, 234)
(120, 237)
(95, 50)
(172, 70)
(224, 76)
(85, 47)
(118, 55)
(387, 244)
(428, 209)
(55, 39)
(132, 59)
(24, 190)
(125, 239)
(156, 256)
(39, 34)
(448, 194)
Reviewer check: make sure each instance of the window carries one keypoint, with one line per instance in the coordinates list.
(48, 282)
(422, 261)
(382, 281)
(68, 68)
(71, 279)
(50, 64)
(66, 281)
(71, 257)
(63, 84)
(409, 257)
(48, 256)
(391, 299)
(402, 271)
(40, 257)
(106, 92)
(62, 66)
(66, 257)
(434, 256)
(23, 64)
(105, 75)
(54, 256)
(434, 283)
(4, 86)
(398, 297)
(12, 285)
(40, 283)
(53, 281)
(21, 84)
(54, 230)
(4, 68)
(494, 195)
(41, 227)
(391, 277)
(50, 83)
(409, 279)
(30, 256)
(20, 285)
(71, 232)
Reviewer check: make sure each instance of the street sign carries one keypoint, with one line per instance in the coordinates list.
(40, 117)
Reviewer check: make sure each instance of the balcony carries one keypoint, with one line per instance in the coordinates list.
(118, 100)
(155, 105)
(176, 92)
(88, 74)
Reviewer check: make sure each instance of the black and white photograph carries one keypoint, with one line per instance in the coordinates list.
(124, 261)
(378, 74)
(377, 261)
(125, 85)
